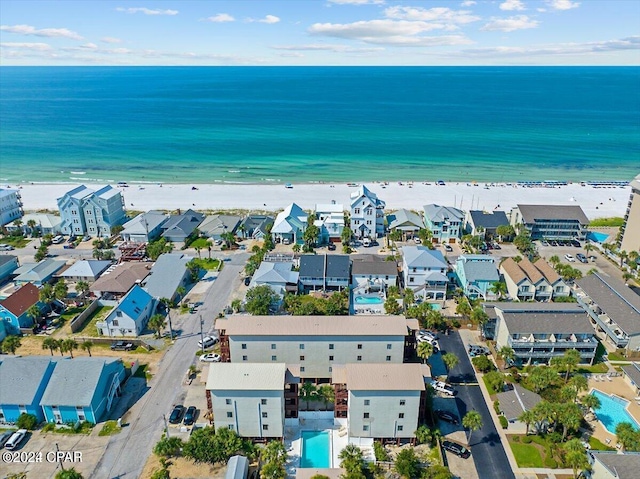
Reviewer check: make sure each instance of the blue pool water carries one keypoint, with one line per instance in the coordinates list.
(315, 449)
(368, 300)
(597, 237)
(612, 411)
(436, 306)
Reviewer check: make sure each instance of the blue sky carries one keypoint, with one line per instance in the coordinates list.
(320, 32)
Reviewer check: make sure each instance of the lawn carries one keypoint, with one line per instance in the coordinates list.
(89, 328)
(15, 241)
(527, 455)
(208, 264)
(616, 357)
(596, 445)
(110, 428)
(596, 368)
(614, 221)
(202, 243)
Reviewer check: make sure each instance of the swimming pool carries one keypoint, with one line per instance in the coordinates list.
(597, 237)
(368, 300)
(436, 306)
(315, 449)
(612, 411)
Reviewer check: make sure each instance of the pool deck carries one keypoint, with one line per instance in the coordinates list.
(618, 387)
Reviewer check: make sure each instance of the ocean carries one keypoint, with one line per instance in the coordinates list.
(318, 124)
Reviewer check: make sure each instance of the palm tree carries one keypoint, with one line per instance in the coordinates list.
(10, 344)
(425, 351)
(507, 354)
(570, 360)
(82, 287)
(51, 344)
(157, 322)
(68, 345)
(351, 458)
(623, 255)
(554, 260)
(327, 394)
(579, 383)
(499, 288)
(527, 417)
(589, 401)
(86, 346)
(32, 226)
(624, 430)
(34, 313)
(180, 291)
(60, 290)
(472, 421)
(308, 391)
(450, 360)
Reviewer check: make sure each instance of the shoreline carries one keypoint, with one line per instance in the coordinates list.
(596, 202)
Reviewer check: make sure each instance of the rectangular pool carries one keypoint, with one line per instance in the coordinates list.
(315, 449)
(368, 300)
(612, 411)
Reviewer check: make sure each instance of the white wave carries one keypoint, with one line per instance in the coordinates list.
(77, 172)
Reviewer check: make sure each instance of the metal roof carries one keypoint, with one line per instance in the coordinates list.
(246, 376)
(21, 300)
(488, 219)
(402, 216)
(513, 403)
(41, 271)
(440, 214)
(532, 213)
(144, 223)
(423, 257)
(122, 278)
(478, 267)
(166, 275)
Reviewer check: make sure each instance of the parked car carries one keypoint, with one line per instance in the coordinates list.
(207, 342)
(4, 437)
(210, 358)
(457, 449)
(121, 346)
(366, 242)
(582, 258)
(331, 246)
(6, 247)
(569, 258)
(176, 415)
(447, 416)
(247, 281)
(426, 332)
(575, 243)
(445, 388)
(448, 248)
(86, 238)
(286, 241)
(496, 246)
(58, 239)
(476, 350)
(72, 238)
(190, 416)
(217, 242)
(16, 439)
(69, 246)
(544, 243)
(417, 240)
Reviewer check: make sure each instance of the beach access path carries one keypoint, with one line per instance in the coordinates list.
(596, 202)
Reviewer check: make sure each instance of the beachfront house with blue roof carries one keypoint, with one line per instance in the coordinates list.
(476, 274)
(168, 273)
(289, 225)
(82, 389)
(14, 309)
(425, 271)
(330, 221)
(88, 212)
(255, 226)
(144, 228)
(8, 264)
(444, 222)
(24, 380)
(131, 315)
(38, 273)
(181, 226)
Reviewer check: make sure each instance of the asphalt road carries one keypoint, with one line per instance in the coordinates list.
(487, 449)
(128, 451)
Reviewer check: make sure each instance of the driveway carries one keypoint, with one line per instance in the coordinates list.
(127, 452)
(486, 447)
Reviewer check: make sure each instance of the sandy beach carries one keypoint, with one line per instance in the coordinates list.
(596, 202)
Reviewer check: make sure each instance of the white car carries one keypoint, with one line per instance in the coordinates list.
(6, 247)
(569, 258)
(58, 239)
(207, 342)
(417, 240)
(443, 388)
(210, 358)
(15, 440)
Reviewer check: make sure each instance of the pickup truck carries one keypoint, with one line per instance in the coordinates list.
(121, 346)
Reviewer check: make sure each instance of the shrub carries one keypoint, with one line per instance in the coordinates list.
(496, 407)
(483, 364)
(495, 379)
(550, 462)
(503, 422)
(380, 452)
(455, 323)
(516, 439)
(49, 427)
(527, 439)
(27, 421)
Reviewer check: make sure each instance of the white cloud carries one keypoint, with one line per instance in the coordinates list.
(541, 10)
(628, 43)
(291, 55)
(356, 2)
(270, 19)
(147, 11)
(328, 47)
(467, 3)
(510, 24)
(43, 32)
(111, 40)
(220, 18)
(510, 5)
(429, 15)
(89, 46)
(40, 47)
(562, 4)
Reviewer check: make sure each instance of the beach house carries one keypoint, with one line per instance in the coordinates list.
(14, 310)
(538, 332)
(527, 281)
(144, 227)
(325, 272)
(516, 401)
(255, 226)
(289, 225)
(94, 213)
(444, 222)
(613, 308)
(248, 398)
(406, 221)
(117, 280)
(167, 275)
(425, 271)
(23, 381)
(372, 269)
(181, 225)
(484, 223)
(45, 223)
(330, 220)
(214, 226)
(10, 206)
(313, 342)
(475, 274)
(85, 270)
(385, 402)
(613, 464)
(82, 389)
(130, 316)
(279, 276)
(8, 264)
(630, 230)
(552, 222)
(367, 214)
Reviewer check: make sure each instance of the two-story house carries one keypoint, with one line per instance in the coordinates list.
(131, 316)
(367, 214)
(144, 228)
(181, 225)
(330, 220)
(444, 222)
(406, 221)
(10, 206)
(555, 222)
(484, 223)
(327, 272)
(527, 281)
(86, 211)
(385, 402)
(425, 271)
(168, 274)
(373, 270)
(117, 280)
(279, 276)
(14, 310)
(476, 274)
(214, 226)
(255, 226)
(289, 225)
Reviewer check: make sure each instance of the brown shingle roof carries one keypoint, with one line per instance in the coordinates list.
(547, 271)
(21, 300)
(122, 278)
(513, 270)
(531, 271)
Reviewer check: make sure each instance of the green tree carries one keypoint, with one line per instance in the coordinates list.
(472, 421)
(575, 456)
(346, 235)
(504, 232)
(528, 417)
(495, 379)
(479, 316)
(86, 346)
(463, 308)
(482, 363)
(27, 421)
(10, 344)
(436, 471)
(68, 345)
(236, 305)
(351, 458)
(589, 401)
(391, 305)
(60, 290)
(507, 354)
(308, 392)
(311, 232)
(259, 300)
(424, 435)
(327, 394)
(51, 344)
(569, 416)
(628, 436)
(41, 253)
(194, 273)
(499, 288)
(214, 446)
(541, 378)
(567, 362)
(425, 236)
(409, 297)
(450, 360)
(579, 383)
(168, 446)
(274, 451)
(46, 294)
(82, 287)
(68, 474)
(157, 323)
(34, 313)
(273, 470)
(32, 227)
(181, 291)
(407, 464)
(158, 247)
(229, 239)
(425, 351)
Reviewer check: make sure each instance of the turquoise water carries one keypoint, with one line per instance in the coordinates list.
(597, 237)
(306, 124)
(315, 449)
(436, 306)
(368, 300)
(612, 411)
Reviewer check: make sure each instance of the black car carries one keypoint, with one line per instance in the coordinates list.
(190, 416)
(575, 243)
(582, 258)
(176, 414)
(247, 280)
(456, 449)
(121, 346)
(4, 437)
(447, 416)
(331, 247)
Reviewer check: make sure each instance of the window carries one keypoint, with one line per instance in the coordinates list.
(330, 346)
(367, 402)
(400, 428)
(227, 402)
(411, 279)
(244, 345)
(301, 358)
(330, 358)
(119, 313)
(264, 415)
(359, 346)
(265, 427)
(359, 358)
(230, 426)
(389, 346)
(365, 427)
(273, 346)
(366, 415)
(356, 211)
(302, 346)
(401, 415)
(244, 358)
(263, 402)
(330, 369)
(229, 414)
(388, 358)
(301, 369)
(402, 402)
(274, 358)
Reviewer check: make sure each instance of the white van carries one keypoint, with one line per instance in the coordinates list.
(366, 242)
(207, 342)
(58, 239)
(15, 440)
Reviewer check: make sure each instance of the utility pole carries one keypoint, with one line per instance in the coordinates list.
(201, 333)
(166, 426)
(170, 327)
(59, 458)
